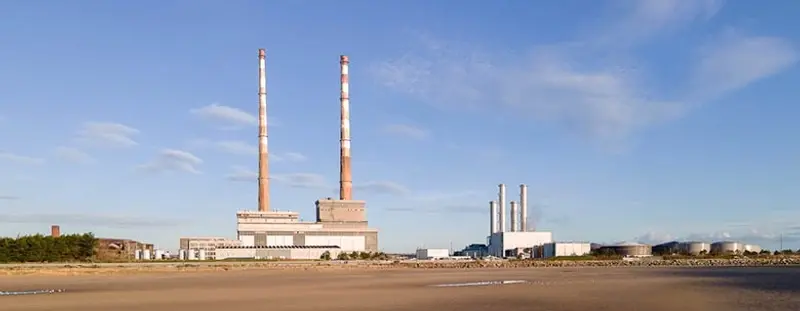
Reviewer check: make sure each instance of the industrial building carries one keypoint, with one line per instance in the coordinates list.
(339, 222)
(275, 252)
(473, 251)
(517, 239)
(562, 249)
(628, 249)
(432, 253)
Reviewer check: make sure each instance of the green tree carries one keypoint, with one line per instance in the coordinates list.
(325, 256)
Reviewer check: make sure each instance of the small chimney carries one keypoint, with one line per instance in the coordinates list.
(55, 231)
(523, 206)
(492, 217)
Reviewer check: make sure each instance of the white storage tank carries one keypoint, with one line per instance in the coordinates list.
(159, 254)
(696, 248)
(146, 255)
(191, 254)
(137, 254)
(201, 254)
(727, 247)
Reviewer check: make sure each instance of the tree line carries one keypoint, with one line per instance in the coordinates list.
(40, 248)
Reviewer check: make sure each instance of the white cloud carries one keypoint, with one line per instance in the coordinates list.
(107, 134)
(578, 85)
(237, 147)
(21, 159)
(382, 187)
(113, 221)
(226, 115)
(406, 130)
(295, 180)
(293, 157)
(302, 180)
(72, 154)
(171, 160)
(735, 61)
(242, 174)
(9, 197)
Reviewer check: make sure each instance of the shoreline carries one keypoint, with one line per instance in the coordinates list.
(70, 269)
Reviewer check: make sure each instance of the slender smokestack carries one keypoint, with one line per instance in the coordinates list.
(523, 205)
(492, 217)
(514, 216)
(345, 177)
(501, 200)
(263, 153)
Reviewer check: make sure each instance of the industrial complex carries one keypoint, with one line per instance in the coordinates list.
(341, 224)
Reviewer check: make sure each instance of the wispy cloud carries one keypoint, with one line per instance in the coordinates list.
(107, 134)
(383, 187)
(734, 61)
(21, 159)
(405, 130)
(606, 98)
(172, 160)
(302, 180)
(8, 197)
(72, 154)
(225, 115)
(113, 221)
(238, 147)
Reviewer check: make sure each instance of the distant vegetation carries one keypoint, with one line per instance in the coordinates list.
(39, 248)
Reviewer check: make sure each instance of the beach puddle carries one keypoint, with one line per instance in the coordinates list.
(483, 283)
(31, 292)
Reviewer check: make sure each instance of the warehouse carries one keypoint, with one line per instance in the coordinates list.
(432, 253)
(563, 249)
(276, 252)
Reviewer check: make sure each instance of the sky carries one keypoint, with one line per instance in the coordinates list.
(628, 120)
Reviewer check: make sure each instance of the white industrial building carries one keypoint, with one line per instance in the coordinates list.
(276, 252)
(432, 253)
(511, 244)
(563, 249)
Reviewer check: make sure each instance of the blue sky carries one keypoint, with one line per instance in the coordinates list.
(629, 120)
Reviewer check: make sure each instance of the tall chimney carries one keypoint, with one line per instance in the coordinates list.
(514, 216)
(501, 200)
(523, 206)
(263, 153)
(492, 217)
(345, 177)
(55, 231)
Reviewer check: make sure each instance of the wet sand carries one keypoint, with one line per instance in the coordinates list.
(653, 289)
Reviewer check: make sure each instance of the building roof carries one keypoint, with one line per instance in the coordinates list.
(280, 247)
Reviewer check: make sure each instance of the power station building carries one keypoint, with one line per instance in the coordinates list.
(517, 239)
(341, 224)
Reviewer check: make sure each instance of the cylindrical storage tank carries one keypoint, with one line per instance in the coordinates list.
(514, 216)
(631, 249)
(191, 254)
(146, 255)
(752, 248)
(137, 254)
(201, 254)
(159, 254)
(492, 217)
(725, 247)
(696, 248)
